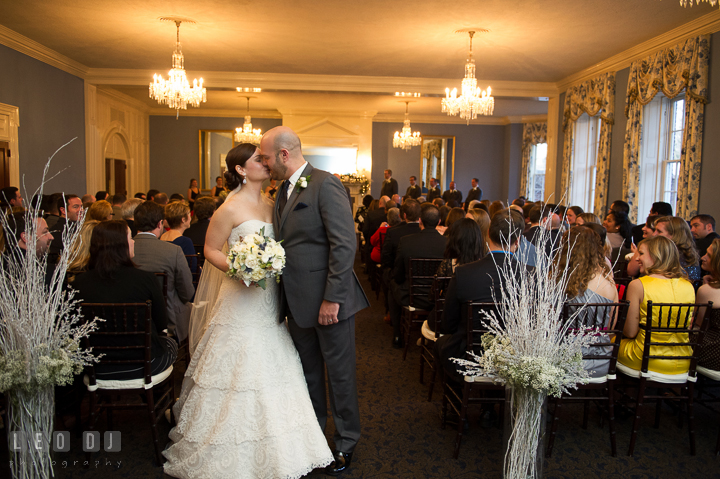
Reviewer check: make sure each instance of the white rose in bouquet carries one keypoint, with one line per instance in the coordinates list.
(255, 259)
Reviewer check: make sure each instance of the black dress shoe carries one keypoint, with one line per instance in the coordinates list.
(340, 464)
(397, 342)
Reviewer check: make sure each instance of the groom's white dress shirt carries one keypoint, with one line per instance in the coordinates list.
(294, 178)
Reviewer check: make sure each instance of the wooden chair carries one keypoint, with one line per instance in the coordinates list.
(709, 385)
(427, 341)
(128, 324)
(421, 273)
(459, 401)
(662, 314)
(200, 252)
(597, 314)
(193, 259)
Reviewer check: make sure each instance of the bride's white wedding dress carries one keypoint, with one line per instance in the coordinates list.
(244, 408)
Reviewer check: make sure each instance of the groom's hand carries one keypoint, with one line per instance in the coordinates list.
(328, 313)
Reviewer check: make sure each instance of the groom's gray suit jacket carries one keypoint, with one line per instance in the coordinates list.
(318, 235)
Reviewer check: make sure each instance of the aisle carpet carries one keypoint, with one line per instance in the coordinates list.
(402, 436)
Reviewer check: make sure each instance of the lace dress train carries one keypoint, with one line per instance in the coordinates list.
(244, 408)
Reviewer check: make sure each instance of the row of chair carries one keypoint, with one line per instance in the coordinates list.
(604, 389)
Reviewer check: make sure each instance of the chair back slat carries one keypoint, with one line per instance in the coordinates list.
(124, 337)
(421, 273)
(673, 318)
(473, 313)
(439, 288)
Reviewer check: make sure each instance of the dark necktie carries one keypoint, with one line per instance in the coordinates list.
(283, 197)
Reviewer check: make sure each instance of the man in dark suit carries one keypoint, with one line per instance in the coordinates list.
(389, 186)
(541, 218)
(428, 243)
(433, 191)
(319, 292)
(703, 230)
(204, 209)
(475, 193)
(410, 212)
(156, 256)
(478, 281)
(413, 191)
(452, 194)
(69, 208)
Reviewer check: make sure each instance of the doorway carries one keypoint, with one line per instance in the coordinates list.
(4, 164)
(115, 176)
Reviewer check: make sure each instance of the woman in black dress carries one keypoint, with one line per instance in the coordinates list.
(192, 193)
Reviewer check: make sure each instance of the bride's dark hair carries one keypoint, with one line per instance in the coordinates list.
(237, 156)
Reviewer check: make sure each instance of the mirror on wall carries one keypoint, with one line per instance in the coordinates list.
(437, 159)
(214, 146)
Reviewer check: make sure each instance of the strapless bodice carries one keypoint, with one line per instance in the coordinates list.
(249, 227)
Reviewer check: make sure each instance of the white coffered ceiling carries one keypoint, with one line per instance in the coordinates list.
(364, 49)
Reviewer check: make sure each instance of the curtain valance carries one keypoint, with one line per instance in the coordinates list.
(594, 97)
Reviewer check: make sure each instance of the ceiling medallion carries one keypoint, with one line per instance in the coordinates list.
(176, 91)
(407, 139)
(246, 134)
(473, 101)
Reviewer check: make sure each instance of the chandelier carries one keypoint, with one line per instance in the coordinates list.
(176, 91)
(685, 3)
(407, 139)
(246, 134)
(473, 101)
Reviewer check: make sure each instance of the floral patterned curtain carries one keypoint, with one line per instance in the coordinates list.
(681, 67)
(594, 97)
(432, 148)
(533, 133)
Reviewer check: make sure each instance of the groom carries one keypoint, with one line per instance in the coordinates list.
(319, 292)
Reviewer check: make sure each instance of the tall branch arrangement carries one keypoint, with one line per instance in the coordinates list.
(529, 347)
(40, 334)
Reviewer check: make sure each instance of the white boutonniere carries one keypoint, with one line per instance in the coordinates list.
(303, 182)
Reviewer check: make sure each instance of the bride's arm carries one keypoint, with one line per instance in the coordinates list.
(217, 234)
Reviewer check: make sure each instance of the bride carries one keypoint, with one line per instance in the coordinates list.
(244, 408)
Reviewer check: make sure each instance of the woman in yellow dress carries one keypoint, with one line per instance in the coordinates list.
(664, 282)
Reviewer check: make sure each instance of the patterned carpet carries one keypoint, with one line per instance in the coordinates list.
(402, 436)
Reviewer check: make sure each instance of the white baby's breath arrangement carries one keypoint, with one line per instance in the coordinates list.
(255, 259)
(40, 334)
(529, 347)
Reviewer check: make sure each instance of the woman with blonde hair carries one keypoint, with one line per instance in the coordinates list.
(583, 218)
(82, 247)
(100, 211)
(482, 218)
(664, 282)
(590, 281)
(677, 230)
(709, 356)
(177, 217)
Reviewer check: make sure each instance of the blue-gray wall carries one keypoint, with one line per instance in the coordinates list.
(52, 112)
(174, 147)
(480, 151)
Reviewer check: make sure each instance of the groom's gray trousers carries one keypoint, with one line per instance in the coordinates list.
(333, 347)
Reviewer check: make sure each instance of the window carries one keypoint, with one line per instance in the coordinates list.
(538, 157)
(660, 150)
(583, 166)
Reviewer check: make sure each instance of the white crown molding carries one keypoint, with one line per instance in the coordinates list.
(441, 119)
(709, 23)
(335, 83)
(123, 98)
(214, 113)
(528, 118)
(31, 48)
(366, 114)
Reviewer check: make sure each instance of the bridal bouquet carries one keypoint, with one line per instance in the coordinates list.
(255, 259)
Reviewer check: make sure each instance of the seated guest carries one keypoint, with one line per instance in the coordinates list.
(395, 199)
(664, 282)
(161, 199)
(81, 247)
(50, 209)
(478, 281)
(204, 209)
(10, 198)
(659, 208)
(176, 197)
(177, 217)
(379, 237)
(648, 229)
(572, 213)
(709, 356)
(582, 255)
(483, 220)
(87, 200)
(409, 224)
(100, 210)
(677, 230)
(362, 212)
(428, 243)
(541, 219)
(101, 195)
(438, 202)
(69, 208)
(140, 195)
(472, 203)
(117, 202)
(703, 230)
(17, 249)
(127, 213)
(495, 206)
(587, 218)
(157, 256)
(152, 192)
(443, 210)
(375, 217)
(113, 278)
(455, 214)
(618, 228)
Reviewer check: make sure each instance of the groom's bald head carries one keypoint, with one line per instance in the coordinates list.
(281, 152)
